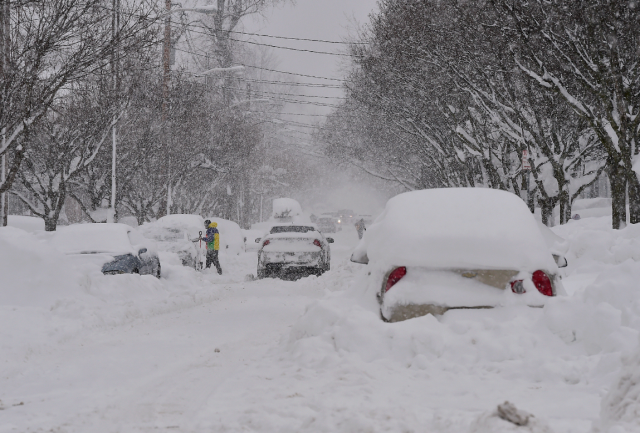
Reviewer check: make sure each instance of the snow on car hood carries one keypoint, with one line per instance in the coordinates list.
(458, 228)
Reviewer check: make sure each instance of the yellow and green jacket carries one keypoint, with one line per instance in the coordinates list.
(212, 238)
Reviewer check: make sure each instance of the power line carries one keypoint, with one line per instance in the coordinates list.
(293, 73)
(268, 45)
(280, 93)
(324, 41)
(264, 69)
(293, 83)
(238, 32)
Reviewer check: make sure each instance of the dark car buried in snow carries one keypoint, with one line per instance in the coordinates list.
(118, 248)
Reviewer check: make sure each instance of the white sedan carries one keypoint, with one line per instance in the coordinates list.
(439, 249)
(293, 249)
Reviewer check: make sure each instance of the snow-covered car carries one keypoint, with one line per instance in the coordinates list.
(297, 249)
(558, 246)
(439, 249)
(117, 247)
(231, 237)
(176, 234)
(252, 239)
(326, 225)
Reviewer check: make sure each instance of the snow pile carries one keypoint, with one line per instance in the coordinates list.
(571, 349)
(32, 272)
(592, 207)
(620, 411)
(93, 238)
(47, 296)
(30, 224)
(603, 271)
(458, 227)
(508, 419)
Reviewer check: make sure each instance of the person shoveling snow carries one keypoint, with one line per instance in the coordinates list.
(212, 238)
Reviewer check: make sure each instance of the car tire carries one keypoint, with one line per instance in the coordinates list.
(261, 274)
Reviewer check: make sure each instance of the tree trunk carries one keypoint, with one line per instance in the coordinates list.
(618, 182)
(51, 218)
(565, 205)
(634, 197)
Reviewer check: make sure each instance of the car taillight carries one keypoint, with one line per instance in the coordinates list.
(395, 276)
(542, 283)
(267, 242)
(517, 287)
(317, 243)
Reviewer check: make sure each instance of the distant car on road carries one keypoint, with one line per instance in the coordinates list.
(346, 217)
(327, 225)
(456, 248)
(119, 248)
(293, 249)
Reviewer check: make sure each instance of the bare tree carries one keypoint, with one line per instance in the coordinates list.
(51, 44)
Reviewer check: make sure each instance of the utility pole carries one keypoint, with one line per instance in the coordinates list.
(115, 25)
(166, 78)
(5, 45)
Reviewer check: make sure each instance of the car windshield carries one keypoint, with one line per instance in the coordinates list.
(292, 229)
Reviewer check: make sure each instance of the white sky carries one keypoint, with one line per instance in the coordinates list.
(312, 19)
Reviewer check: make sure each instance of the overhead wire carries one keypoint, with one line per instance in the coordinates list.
(324, 41)
(258, 93)
(261, 68)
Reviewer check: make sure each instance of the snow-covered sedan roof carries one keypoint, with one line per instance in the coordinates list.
(458, 228)
(172, 228)
(93, 239)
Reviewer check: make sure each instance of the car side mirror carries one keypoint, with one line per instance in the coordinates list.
(258, 240)
(142, 251)
(330, 240)
(360, 257)
(561, 261)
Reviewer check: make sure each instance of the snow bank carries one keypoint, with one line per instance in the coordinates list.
(93, 238)
(27, 223)
(32, 272)
(591, 207)
(572, 348)
(458, 228)
(47, 296)
(620, 412)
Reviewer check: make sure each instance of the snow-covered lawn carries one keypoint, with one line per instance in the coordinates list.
(198, 352)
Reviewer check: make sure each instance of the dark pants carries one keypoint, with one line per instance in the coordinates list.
(212, 257)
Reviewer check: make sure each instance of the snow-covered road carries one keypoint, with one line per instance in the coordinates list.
(155, 372)
(195, 352)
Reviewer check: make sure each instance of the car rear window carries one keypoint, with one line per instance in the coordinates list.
(292, 229)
